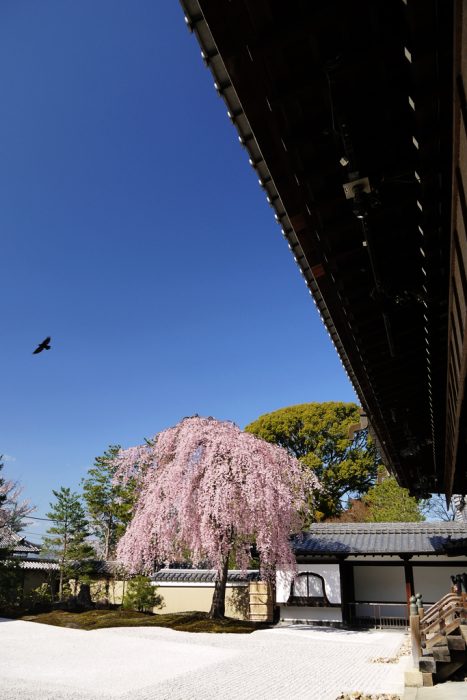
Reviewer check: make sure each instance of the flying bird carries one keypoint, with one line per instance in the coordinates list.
(45, 345)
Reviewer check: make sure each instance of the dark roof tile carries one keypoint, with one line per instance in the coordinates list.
(203, 576)
(10, 540)
(383, 538)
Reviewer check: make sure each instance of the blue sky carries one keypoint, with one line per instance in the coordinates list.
(134, 233)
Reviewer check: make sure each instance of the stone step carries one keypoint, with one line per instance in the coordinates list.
(437, 670)
(455, 642)
(427, 664)
(441, 653)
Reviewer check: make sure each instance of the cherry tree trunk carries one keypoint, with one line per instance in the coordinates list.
(217, 611)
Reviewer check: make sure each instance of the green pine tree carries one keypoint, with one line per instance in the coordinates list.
(142, 595)
(387, 502)
(109, 505)
(68, 537)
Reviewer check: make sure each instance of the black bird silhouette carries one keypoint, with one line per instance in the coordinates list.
(45, 345)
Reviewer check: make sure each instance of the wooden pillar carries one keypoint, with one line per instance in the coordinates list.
(347, 589)
(408, 575)
(415, 639)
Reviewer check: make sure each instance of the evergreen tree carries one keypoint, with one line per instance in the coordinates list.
(142, 595)
(68, 536)
(387, 502)
(109, 505)
(320, 435)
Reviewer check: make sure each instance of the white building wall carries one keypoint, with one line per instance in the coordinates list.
(283, 583)
(330, 573)
(379, 583)
(373, 584)
(434, 582)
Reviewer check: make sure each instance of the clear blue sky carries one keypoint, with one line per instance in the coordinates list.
(134, 232)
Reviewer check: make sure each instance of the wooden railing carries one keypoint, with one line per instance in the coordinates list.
(434, 610)
(443, 618)
(378, 615)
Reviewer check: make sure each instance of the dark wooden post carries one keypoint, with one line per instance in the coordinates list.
(347, 589)
(415, 632)
(408, 574)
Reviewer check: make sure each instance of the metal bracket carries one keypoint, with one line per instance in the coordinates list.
(351, 188)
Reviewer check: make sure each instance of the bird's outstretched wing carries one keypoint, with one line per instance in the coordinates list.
(45, 345)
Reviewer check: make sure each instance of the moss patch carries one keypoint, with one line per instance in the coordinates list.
(185, 622)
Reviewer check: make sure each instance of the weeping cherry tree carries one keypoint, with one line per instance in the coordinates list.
(207, 490)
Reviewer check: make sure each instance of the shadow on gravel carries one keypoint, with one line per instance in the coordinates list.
(324, 630)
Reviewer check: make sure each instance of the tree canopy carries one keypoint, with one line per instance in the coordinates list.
(68, 536)
(109, 504)
(206, 490)
(318, 435)
(387, 502)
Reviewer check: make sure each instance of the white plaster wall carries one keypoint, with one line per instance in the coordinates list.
(434, 582)
(379, 583)
(283, 582)
(330, 573)
(291, 612)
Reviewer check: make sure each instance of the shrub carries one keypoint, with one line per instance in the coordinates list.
(141, 595)
(41, 594)
(38, 599)
(10, 584)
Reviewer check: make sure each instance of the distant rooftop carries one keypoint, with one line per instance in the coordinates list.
(16, 543)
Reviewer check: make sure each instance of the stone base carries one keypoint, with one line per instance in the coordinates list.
(413, 678)
(428, 679)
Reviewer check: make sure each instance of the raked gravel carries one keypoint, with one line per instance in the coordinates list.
(41, 662)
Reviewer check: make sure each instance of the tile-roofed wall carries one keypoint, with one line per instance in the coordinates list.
(382, 538)
(202, 576)
(39, 565)
(107, 568)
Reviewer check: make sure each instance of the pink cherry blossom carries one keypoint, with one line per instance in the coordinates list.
(206, 487)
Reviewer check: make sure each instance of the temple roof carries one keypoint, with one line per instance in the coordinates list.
(383, 538)
(346, 114)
